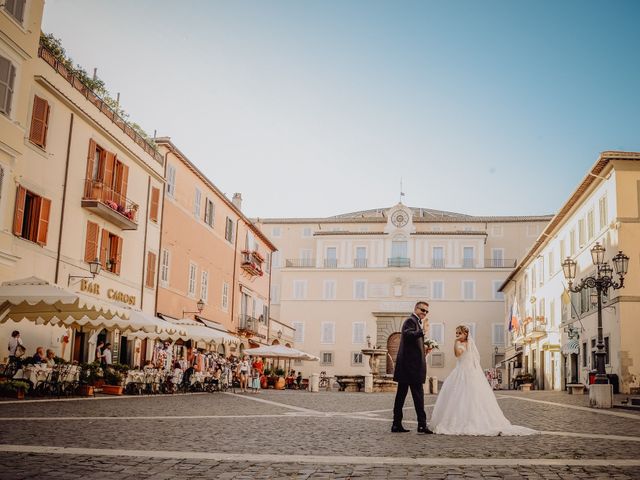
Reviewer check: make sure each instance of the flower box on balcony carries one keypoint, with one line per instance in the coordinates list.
(257, 256)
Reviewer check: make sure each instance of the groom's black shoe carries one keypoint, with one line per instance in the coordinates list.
(423, 429)
(398, 429)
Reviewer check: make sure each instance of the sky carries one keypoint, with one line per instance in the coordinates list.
(313, 109)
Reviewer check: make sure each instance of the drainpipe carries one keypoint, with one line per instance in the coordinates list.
(161, 201)
(235, 261)
(145, 257)
(64, 197)
(269, 297)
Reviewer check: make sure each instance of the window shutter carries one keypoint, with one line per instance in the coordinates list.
(39, 121)
(118, 255)
(18, 217)
(91, 244)
(90, 159)
(43, 221)
(155, 198)
(104, 249)
(151, 269)
(124, 184)
(109, 166)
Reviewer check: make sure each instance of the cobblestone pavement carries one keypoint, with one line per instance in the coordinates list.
(303, 435)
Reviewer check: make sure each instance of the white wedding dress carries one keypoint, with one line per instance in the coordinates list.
(466, 404)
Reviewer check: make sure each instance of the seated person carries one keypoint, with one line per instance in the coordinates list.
(186, 377)
(51, 358)
(39, 356)
(299, 379)
(289, 379)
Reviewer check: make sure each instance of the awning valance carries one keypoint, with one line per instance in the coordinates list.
(280, 351)
(189, 329)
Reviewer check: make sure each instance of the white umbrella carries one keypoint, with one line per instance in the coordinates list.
(280, 351)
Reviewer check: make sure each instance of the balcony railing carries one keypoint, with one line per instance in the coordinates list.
(300, 263)
(398, 262)
(247, 324)
(110, 205)
(499, 263)
(360, 263)
(330, 263)
(468, 263)
(536, 328)
(437, 263)
(252, 263)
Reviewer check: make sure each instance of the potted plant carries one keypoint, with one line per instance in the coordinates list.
(113, 380)
(280, 382)
(14, 387)
(91, 377)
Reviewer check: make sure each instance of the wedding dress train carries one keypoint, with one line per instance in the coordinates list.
(467, 405)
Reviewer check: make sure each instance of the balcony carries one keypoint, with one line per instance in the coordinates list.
(398, 262)
(247, 325)
(252, 263)
(499, 263)
(360, 263)
(110, 205)
(535, 329)
(300, 263)
(437, 263)
(330, 263)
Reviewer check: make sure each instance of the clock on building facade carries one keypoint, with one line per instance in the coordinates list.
(399, 218)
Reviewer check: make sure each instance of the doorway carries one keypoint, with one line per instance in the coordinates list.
(393, 344)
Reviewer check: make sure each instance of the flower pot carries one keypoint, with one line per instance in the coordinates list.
(263, 382)
(279, 383)
(20, 394)
(112, 389)
(87, 390)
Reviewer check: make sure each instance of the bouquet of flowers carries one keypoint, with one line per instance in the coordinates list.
(431, 344)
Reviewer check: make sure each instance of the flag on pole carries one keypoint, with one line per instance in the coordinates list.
(514, 323)
(510, 317)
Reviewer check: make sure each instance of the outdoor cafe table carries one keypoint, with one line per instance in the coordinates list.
(33, 373)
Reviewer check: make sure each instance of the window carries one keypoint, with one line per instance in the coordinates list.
(438, 289)
(497, 257)
(306, 232)
(437, 257)
(197, 201)
(164, 267)
(305, 258)
(111, 252)
(155, 204)
(7, 77)
(467, 257)
(604, 212)
(591, 225)
(356, 359)
(328, 332)
(436, 332)
(275, 259)
(39, 122)
(171, 180)
(498, 334)
(151, 270)
(357, 332)
(399, 249)
(31, 216)
(563, 251)
(436, 359)
(572, 242)
(552, 313)
(276, 232)
(193, 268)
(15, 8)
(204, 285)
(326, 358)
(361, 257)
(275, 294)
(250, 242)
(91, 242)
(551, 264)
(359, 289)
(209, 212)
(496, 294)
(582, 233)
(331, 257)
(299, 289)
(298, 335)
(225, 296)
(468, 289)
(329, 290)
(228, 230)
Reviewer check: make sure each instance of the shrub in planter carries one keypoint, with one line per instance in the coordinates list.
(12, 388)
(280, 372)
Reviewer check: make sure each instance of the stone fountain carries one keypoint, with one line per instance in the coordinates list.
(378, 382)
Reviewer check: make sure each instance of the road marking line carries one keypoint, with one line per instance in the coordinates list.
(576, 407)
(316, 459)
(271, 402)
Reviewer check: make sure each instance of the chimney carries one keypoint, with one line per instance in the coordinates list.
(237, 200)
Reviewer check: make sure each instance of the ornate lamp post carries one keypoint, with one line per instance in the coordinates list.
(602, 282)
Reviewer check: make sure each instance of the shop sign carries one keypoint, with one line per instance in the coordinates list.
(112, 294)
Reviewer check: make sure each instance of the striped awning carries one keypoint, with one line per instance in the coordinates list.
(572, 346)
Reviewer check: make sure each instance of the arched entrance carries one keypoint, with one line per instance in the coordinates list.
(393, 344)
(222, 350)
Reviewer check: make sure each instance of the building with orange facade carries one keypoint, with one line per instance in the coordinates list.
(214, 263)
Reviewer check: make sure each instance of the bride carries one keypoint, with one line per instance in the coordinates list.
(466, 404)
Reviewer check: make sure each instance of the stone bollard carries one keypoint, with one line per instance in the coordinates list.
(601, 395)
(368, 383)
(314, 385)
(433, 385)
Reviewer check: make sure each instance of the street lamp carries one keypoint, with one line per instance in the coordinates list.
(602, 281)
(94, 269)
(199, 306)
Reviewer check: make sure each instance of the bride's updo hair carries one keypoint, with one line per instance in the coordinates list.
(464, 329)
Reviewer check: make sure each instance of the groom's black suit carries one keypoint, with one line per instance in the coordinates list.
(410, 370)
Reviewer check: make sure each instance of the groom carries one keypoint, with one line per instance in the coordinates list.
(411, 369)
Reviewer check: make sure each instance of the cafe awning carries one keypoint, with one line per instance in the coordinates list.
(503, 362)
(190, 329)
(39, 301)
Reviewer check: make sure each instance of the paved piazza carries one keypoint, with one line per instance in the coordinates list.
(303, 435)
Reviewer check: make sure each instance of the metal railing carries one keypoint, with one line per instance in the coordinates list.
(247, 323)
(499, 263)
(300, 263)
(468, 263)
(398, 262)
(360, 263)
(97, 190)
(330, 263)
(437, 263)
